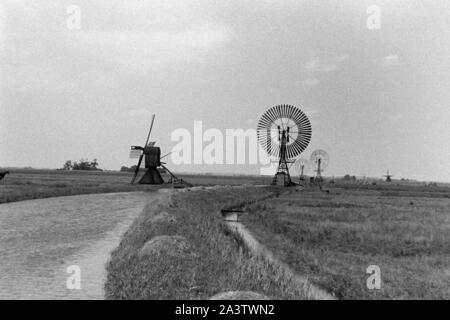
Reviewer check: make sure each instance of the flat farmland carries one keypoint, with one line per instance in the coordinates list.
(333, 237)
(25, 184)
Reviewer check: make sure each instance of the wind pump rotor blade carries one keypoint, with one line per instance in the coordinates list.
(290, 120)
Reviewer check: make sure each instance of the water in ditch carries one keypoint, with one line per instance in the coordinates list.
(40, 239)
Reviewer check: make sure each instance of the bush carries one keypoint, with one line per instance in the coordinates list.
(126, 169)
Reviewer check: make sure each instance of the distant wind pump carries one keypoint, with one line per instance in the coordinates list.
(299, 167)
(319, 159)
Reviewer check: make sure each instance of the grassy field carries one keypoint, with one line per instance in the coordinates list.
(211, 261)
(333, 237)
(23, 184)
(33, 184)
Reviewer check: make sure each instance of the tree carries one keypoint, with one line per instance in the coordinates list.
(130, 169)
(94, 164)
(82, 164)
(67, 165)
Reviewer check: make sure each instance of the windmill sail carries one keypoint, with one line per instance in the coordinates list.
(134, 154)
(142, 154)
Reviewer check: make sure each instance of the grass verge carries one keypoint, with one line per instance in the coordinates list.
(216, 261)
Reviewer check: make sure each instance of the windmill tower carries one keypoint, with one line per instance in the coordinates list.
(284, 131)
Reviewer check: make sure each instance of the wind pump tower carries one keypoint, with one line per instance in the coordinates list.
(319, 159)
(284, 132)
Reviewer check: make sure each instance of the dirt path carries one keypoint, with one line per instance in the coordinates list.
(40, 238)
(258, 249)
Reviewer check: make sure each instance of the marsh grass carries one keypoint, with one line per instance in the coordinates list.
(333, 238)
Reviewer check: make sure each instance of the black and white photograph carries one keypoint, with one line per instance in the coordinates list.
(224, 155)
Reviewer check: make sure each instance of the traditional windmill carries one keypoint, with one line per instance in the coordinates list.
(152, 162)
(388, 176)
(284, 131)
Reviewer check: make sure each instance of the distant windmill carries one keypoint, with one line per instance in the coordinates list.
(388, 176)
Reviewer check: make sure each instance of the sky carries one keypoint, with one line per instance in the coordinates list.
(85, 86)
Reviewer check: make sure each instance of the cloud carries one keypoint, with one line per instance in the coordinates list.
(395, 117)
(39, 77)
(312, 112)
(39, 52)
(140, 51)
(310, 82)
(2, 22)
(251, 121)
(318, 65)
(390, 61)
(327, 64)
(34, 77)
(137, 113)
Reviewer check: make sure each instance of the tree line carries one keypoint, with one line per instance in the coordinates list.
(82, 164)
